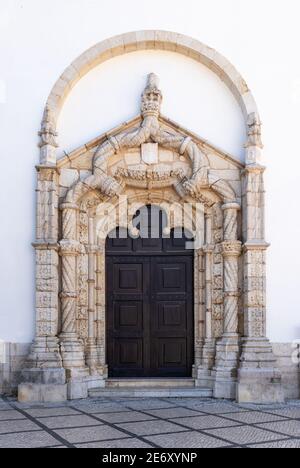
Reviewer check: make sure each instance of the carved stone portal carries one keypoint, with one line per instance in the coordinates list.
(150, 160)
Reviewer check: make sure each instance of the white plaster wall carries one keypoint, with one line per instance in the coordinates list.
(39, 39)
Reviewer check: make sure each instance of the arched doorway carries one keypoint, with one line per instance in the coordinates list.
(151, 159)
(149, 300)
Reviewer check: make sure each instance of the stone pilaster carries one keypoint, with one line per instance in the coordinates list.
(199, 285)
(100, 310)
(91, 349)
(44, 364)
(208, 353)
(71, 347)
(227, 354)
(258, 379)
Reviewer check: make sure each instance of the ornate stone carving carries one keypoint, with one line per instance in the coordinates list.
(48, 132)
(219, 309)
(254, 131)
(48, 135)
(70, 248)
(254, 143)
(231, 248)
(150, 130)
(151, 98)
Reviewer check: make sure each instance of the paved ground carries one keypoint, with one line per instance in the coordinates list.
(159, 422)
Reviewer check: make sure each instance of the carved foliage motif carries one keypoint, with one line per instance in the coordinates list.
(218, 280)
(82, 272)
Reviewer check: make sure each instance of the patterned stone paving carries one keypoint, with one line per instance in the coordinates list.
(153, 423)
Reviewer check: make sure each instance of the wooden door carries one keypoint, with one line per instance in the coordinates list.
(149, 307)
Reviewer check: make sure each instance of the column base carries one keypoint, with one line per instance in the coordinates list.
(224, 384)
(259, 381)
(225, 371)
(92, 358)
(44, 353)
(204, 376)
(72, 352)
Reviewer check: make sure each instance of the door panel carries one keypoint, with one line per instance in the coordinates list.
(172, 316)
(149, 299)
(127, 316)
(128, 278)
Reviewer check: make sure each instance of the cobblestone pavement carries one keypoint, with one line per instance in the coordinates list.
(149, 423)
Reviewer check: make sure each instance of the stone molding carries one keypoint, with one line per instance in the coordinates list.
(259, 245)
(231, 248)
(145, 40)
(150, 130)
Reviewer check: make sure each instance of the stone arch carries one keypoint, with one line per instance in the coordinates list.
(137, 41)
(145, 40)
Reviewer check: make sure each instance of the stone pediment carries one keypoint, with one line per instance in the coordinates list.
(149, 152)
(81, 158)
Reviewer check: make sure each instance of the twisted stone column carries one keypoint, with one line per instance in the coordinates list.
(72, 350)
(231, 251)
(228, 348)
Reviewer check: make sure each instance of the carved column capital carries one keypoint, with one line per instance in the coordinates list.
(231, 248)
(69, 206)
(69, 247)
(253, 169)
(208, 249)
(47, 171)
(231, 206)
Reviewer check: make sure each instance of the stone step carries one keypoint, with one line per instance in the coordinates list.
(155, 392)
(150, 383)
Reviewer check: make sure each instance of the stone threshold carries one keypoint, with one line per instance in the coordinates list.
(150, 383)
(151, 391)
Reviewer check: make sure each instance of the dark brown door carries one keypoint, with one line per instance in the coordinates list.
(149, 297)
